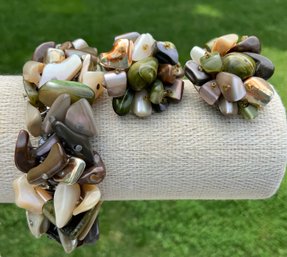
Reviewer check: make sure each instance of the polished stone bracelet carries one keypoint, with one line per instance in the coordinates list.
(230, 74)
(58, 186)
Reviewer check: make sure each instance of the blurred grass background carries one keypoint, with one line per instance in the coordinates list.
(154, 228)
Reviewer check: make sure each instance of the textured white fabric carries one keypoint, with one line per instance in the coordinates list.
(190, 151)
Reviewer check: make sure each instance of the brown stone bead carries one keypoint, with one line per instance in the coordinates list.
(55, 161)
(166, 73)
(24, 160)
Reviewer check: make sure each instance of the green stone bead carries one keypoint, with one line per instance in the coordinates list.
(53, 88)
(248, 111)
(239, 64)
(211, 63)
(32, 93)
(143, 73)
(122, 105)
(156, 92)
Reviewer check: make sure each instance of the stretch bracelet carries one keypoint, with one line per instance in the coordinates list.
(58, 186)
(231, 74)
(142, 75)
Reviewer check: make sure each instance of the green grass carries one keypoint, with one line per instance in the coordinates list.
(154, 228)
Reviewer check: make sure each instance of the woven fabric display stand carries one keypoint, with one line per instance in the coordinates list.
(190, 151)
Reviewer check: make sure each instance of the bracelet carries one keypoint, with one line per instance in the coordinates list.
(231, 74)
(142, 74)
(58, 186)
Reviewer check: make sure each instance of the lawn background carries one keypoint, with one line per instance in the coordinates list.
(154, 228)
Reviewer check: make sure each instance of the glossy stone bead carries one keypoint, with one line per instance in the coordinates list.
(264, 67)
(65, 201)
(247, 44)
(32, 71)
(23, 157)
(211, 62)
(239, 64)
(55, 161)
(174, 92)
(161, 107)
(80, 225)
(54, 55)
(141, 105)
(196, 53)
(25, 195)
(93, 234)
(116, 83)
(32, 92)
(120, 57)
(122, 105)
(224, 43)
(210, 92)
(227, 108)
(46, 146)
(248, 111)
(77, 144)
(92, 51)
(231, 86)
(80, 118)
(156, 92)
(94, 174)
(95, 80)
(66, 70)
(72, 172)
(91, 197)
(167, 73)
(68, 244)
(166, 52)
(142, 73)
(58, 110)
(49, 211)
(38, 224)
(130, 36)
(79, 43)
(259, 91)
(208, 45)
(33, 120)
(144, 47)
(41, 51)
(49, 92)
(195, 74)
(52, 233)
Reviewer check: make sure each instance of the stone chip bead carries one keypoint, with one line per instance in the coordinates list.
(142, 73)
(95, 80)
(224, 43)
(196, 53)
(26, 197)
(65, 199)
(31, 92)
(248, 111)
(23, 157)
(65, 70)
(80, 118)
(122, 104)
(37, 223)
(55, 161)
(41, 50)
(259, 91)
(239, 64)
(157, 92)
(115, 83)
(49, 92)
(33, 120)
(227, 108)
(231, 86)
(167, 73)
(130, 36)
(32, 71)
(247, 44)
(195, 74)
(144, 46)
(120, 57)
(210, 92)
(58, 110)
(79, 43)
(54, 55)
(141, 105)
(174, 92)
(166, 52)
(211, 62)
